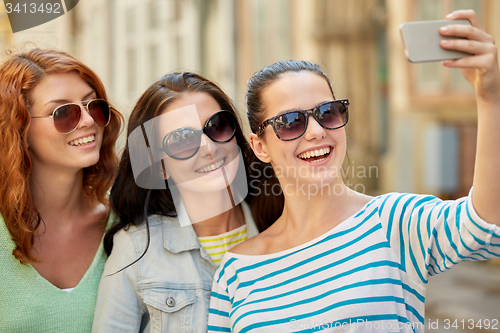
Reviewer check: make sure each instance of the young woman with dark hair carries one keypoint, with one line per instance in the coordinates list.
(341, 260)
(180, 196)
(57, 165)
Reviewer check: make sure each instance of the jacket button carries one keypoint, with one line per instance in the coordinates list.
(170, 301)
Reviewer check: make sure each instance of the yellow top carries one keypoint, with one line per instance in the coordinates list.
(216, 246)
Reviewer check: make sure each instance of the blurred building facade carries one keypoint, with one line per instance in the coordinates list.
(412, 127)
(5, 31)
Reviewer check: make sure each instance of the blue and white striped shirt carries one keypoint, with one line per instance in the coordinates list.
(369, 273)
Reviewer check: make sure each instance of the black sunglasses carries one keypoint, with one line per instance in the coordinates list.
(183, 143)
(292, 125)
(67, 117)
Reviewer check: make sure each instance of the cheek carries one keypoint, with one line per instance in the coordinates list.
(343, 141)
(178, 170)
(281, 153)
(169, 165)
(32, 133)
(231, 147)
(339, 136)
(28, 138)
(37, 135)
(100, 133)
(341, 145)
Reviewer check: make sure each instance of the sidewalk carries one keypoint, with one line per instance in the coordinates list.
(470, 292)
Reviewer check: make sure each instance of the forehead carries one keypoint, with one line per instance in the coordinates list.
(190, 109)
(60, 86)
(294, 91)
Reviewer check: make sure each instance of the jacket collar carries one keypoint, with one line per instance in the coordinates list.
(178, 239)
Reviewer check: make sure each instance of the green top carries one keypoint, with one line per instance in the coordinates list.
(30, 303)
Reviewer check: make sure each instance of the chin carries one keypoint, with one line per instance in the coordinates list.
(203, 185)
(89, 162)
(318, 181)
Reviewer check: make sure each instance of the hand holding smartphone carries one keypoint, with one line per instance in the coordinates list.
(421, 41)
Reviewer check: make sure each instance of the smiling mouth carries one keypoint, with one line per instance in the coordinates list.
(316, 155)
(82, 141)
(212, 167)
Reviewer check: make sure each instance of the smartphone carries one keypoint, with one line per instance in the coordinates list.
(421, 41)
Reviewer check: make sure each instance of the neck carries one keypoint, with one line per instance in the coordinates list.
(212, 213)
(307, 211)
(201, 206)
(220, 224)
(58, 193)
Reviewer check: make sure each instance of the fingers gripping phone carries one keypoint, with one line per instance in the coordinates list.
(421, 41)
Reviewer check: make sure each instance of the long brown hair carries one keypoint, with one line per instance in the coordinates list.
(19, 75)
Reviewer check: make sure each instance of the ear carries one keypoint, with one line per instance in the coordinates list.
(259, 148)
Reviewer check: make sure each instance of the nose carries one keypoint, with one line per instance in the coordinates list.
(87, 119)
(314, 130)
(207, 146)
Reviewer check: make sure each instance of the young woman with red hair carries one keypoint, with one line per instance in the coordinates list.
(58, 163)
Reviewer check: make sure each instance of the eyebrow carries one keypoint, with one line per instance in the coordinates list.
(295, 109)
(63, 101)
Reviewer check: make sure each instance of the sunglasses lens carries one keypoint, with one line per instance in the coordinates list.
(99, 110)
(290, 126)
(182, 143)
(67, 117)
(332, 115)
(221, 127)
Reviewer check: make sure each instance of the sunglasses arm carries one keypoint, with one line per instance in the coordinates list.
(263, 126)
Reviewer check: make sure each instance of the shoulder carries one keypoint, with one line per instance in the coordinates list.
(252, 246)
(4, 231)
(395, 200)
(155, 222)
(260, 244)
(135, 236)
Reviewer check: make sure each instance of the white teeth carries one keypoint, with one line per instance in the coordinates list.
(319, 160)
(211, 167)
(82, 141)
(315, 153)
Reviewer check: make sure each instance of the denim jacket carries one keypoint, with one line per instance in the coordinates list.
(168, 290)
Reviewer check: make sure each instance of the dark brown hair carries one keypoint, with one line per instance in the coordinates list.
(19, 75)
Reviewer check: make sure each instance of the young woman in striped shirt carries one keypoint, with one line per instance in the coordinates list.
(337, 260)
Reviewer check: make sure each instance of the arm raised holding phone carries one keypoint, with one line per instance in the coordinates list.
(482, 71)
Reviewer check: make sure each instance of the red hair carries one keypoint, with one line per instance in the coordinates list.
(19, 75)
